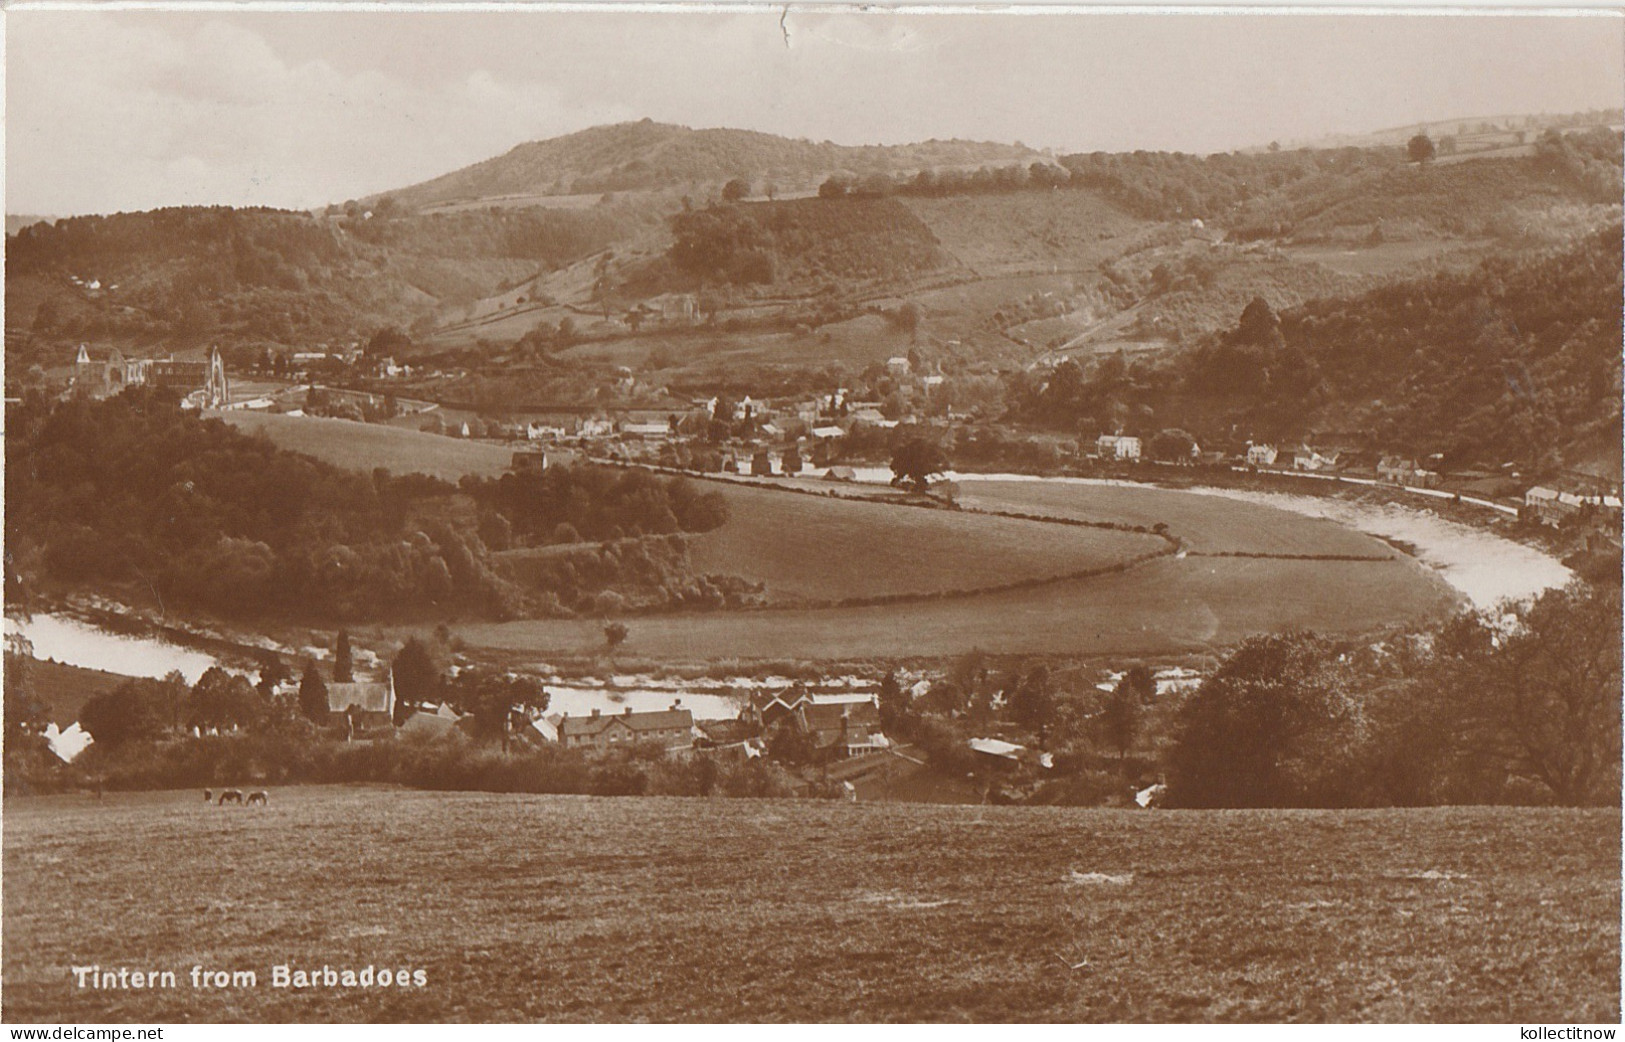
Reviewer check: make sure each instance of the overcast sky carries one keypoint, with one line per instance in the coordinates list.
(110, 111)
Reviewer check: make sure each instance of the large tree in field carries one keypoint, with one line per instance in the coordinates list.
(1275, 726)
(915, 461)
(1420, 149)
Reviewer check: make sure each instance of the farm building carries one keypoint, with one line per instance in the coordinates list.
(1117, 446)
(1403, 471)
(1553, 507)
(673, 728)
(840, 474)
(837, 728)
(437, 724)
(362, 704)
(997, 752)
(1261, 455)
(1308, 459)
(843, 728)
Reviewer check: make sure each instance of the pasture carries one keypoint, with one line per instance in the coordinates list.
(1390, 258)
(1206, 524)
(367, 446)
(525, 908)
(818, 549)
(715, 354)
(1164, 607)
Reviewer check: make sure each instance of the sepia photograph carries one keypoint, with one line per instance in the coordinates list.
(737, 515)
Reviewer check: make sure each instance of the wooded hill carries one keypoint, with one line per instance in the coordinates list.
(191, 273)
(1516, 361)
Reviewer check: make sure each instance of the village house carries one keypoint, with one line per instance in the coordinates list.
(1261, 455)
(361, 705)
(996, 752)
(673, 728)
(1308, 459)
(1401, 470)
(439, 723)
(1552, 507)
(646, 430)
(837, 728)
(1117, 447)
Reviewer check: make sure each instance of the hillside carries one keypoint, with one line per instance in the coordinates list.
(1514, 361)
(648, 155)
(195, 273)
(521, 908)
(1531, 197)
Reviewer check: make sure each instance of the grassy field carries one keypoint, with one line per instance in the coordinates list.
(1389, 257)
(1207, 524)
(1197, 604)
(811, 548)
(365, 446)
(716, 354)
(584, 909)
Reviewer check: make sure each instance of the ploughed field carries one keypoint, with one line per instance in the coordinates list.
(601, 909)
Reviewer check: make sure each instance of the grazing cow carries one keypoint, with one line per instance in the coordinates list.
(208, 795)
(259, 797)
(230, 796)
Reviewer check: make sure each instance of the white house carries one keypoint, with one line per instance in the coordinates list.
(1261, 455)
(1306, 458)
(1117, 446)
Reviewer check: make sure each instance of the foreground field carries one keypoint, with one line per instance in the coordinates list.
(582, 909)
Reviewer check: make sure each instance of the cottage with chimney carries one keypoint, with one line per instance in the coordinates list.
(673, 728)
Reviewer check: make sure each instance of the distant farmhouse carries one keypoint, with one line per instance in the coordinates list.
(1117, 446)
(361, 706)
(1261, 455)
(1401, 470)
(1558, 509)
(1308, 459)
(836, 729)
